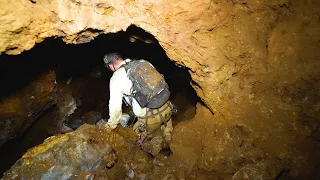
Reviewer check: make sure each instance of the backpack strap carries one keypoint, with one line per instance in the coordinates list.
(126, 67)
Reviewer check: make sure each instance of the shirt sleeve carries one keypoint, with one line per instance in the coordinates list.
(115, 101)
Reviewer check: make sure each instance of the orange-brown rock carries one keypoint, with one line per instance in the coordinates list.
(254, 64)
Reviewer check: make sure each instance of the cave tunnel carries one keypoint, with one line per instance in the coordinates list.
(79, 74)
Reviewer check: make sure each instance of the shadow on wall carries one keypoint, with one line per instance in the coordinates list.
(79, 60)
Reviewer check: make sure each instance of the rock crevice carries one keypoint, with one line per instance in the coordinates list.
(253, 63)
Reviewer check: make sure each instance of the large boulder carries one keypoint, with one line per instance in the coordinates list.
(66, 156)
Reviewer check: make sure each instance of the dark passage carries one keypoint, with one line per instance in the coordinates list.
(81, 79)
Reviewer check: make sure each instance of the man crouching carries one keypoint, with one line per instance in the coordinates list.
(145, 90)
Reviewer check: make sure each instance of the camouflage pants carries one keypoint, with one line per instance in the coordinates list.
(155, 129)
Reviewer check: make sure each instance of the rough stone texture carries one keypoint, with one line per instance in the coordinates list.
(19, 110)
(255, 65)
(92, 117)
(63, 157)
(260, 170)
(10, 125)
(89, 152)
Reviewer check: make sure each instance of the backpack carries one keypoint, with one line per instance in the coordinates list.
(148, 86)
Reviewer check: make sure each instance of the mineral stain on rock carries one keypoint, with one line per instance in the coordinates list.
(254, 65)
(66, 156)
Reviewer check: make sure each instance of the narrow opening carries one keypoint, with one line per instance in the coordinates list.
(81, 83)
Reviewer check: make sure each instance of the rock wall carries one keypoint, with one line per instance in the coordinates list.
(253, 63)
(19, 110)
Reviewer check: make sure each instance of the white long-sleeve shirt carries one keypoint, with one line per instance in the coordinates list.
(120, 86)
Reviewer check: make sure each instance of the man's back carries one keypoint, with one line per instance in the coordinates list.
(120, 87)
(148, 85)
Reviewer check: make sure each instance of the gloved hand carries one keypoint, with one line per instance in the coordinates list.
(109, 127)
(124, 120)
